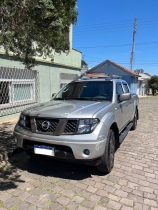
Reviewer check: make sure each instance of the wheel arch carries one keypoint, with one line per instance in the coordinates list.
(114, 127)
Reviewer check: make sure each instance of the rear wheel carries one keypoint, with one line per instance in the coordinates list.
(107, 160)
(134, 121)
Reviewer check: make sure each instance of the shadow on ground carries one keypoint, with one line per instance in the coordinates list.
(7, 144)
(44, 166)
(9, 178)
(49, 167)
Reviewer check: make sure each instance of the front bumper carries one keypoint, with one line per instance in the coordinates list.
(94, 142)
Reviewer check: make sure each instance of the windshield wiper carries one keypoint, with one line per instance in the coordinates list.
(94, 99)
(82, 98)
(58, 99)
(68, 98)
(85, 98)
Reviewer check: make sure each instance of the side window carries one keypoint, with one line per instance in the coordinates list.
(119, 89)
(126, 88)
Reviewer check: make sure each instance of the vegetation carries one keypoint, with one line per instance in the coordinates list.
(154, 84)
(32, 28)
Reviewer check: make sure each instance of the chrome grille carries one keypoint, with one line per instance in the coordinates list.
(53, 124)
(70, 127)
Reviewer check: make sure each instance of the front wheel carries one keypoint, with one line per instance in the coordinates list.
(107, 160)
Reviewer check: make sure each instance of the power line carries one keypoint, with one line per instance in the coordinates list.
(112, 27)
(120, 45)
(137, 64)
(105, 51)
(124, 62)
(114, 30)
(116, 22)
(104, 32)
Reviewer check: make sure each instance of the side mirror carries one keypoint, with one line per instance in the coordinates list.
(124, 97)
(53, 95)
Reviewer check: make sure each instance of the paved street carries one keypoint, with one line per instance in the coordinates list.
(43, 183)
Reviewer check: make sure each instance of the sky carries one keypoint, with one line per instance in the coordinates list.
(104, 30)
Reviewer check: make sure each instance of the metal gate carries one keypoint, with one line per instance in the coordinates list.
(19, 89)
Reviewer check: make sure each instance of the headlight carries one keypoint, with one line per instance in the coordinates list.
(22, 121)
(87, 125)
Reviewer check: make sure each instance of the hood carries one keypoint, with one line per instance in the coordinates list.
(66, 109)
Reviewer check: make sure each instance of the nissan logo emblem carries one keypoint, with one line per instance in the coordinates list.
(45, 125)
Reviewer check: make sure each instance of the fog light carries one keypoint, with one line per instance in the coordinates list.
(86, 151)
(16, 140)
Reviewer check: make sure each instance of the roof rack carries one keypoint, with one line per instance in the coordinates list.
(97, 75)
(115, 77)
(87, 76)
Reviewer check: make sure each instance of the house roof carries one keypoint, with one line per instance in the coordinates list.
(148, 74)
(117, 65)
(140, 79)
(144, 76)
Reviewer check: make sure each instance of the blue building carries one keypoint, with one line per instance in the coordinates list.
(112, 68)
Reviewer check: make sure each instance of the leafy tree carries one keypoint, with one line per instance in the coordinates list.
(154, 84)
(35, 27)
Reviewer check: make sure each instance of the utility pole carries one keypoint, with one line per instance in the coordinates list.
(133, 43)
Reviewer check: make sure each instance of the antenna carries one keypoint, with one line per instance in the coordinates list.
(133, 43)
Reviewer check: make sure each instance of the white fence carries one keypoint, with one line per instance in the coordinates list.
(19, 88)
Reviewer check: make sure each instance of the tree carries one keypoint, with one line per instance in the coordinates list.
(35, 27)
(154, 84)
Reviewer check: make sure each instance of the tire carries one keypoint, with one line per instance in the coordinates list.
(106, 162)
(134, 121)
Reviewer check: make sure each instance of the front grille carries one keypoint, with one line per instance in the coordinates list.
(70, 127)
(27, 122)
(29, 145)
(51, 129)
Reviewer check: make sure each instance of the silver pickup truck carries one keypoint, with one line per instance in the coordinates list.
(84, 122)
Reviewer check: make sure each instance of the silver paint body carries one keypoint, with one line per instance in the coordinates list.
(107, 113)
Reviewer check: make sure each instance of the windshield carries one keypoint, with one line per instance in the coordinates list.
(87, 90)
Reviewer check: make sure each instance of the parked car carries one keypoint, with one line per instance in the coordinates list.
(84, 122)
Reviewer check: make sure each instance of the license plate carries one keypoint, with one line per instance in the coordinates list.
(43, 150)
